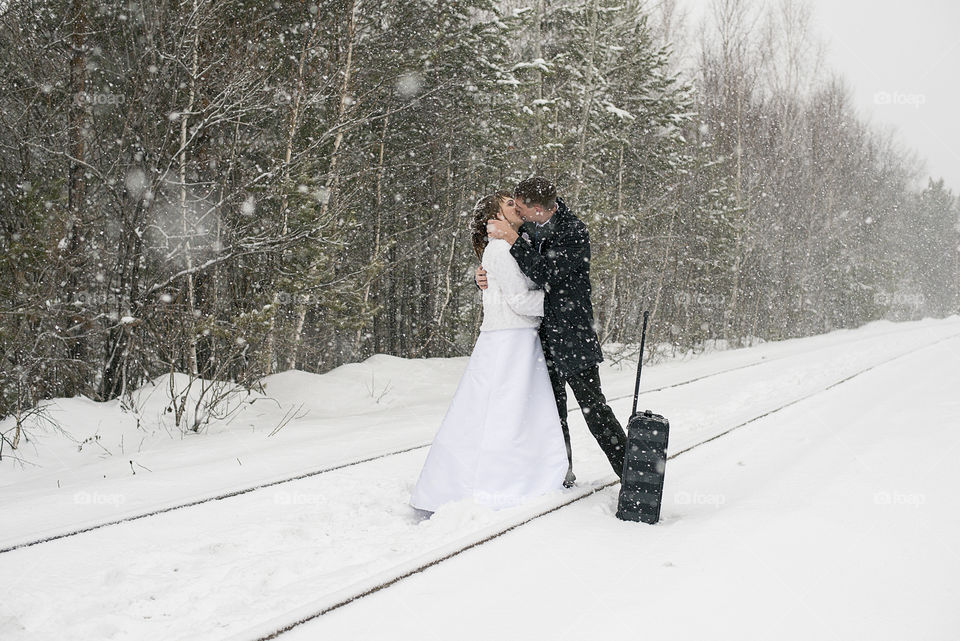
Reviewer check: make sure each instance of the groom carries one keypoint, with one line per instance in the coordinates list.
(554, 252)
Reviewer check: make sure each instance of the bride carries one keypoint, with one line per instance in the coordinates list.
(500, 442)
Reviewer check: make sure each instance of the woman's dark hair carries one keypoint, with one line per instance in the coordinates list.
(486, 209)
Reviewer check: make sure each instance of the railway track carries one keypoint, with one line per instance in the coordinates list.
(326, 470)
(277, 627)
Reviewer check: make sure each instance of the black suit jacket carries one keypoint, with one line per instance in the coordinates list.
(562, 268)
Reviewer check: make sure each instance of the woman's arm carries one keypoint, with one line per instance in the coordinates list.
(504, 270)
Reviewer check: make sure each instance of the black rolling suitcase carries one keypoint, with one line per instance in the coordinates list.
(644, 463)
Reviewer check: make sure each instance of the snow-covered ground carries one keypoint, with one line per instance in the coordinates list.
(837, 517)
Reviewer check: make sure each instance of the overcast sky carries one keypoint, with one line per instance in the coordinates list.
(901, 59)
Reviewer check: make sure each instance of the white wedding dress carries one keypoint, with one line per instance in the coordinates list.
(500, 443)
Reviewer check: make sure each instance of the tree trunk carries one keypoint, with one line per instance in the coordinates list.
(190, 325)
(588, 92)
(77, 189)
(378, 228)
(612, 298)
(663, 265)
(292, 128)
(332, 176)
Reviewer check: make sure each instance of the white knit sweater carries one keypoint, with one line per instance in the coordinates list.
(510, 300)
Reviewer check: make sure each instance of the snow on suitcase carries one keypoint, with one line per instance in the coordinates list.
(645, 459)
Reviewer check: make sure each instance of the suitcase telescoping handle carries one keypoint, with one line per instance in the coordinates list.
(643, 340)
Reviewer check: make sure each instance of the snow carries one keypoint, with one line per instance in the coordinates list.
(797, 537)
(836, 517)
(409, 84)
(539, 64)
(620, 113)
(136, 182)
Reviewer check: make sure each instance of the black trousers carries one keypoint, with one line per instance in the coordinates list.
(599, 417)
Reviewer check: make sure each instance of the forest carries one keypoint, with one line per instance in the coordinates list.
(234, 188)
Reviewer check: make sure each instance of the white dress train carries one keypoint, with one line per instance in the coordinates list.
(500, 442)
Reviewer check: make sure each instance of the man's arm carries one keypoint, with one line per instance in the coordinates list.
(554, 267)
(480, 278)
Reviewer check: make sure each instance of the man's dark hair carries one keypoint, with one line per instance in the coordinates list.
(536, 191)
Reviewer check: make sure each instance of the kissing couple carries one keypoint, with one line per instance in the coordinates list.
(505, 439)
